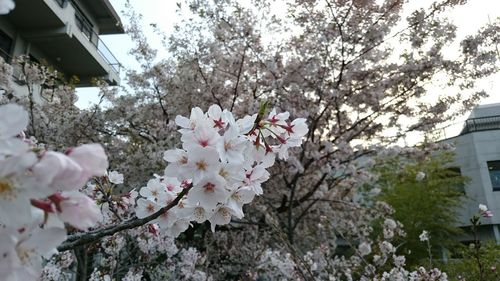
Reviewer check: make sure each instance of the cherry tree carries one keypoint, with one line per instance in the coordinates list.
(359, 72)
(332, 65)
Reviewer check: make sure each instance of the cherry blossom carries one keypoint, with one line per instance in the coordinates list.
(16, 189)
(146, 208)
(231, 147)
(91, 157)
(59, 171)
(323, 71)
(77, 209)
(15, 121)
(202, 162)
(22, 251)
(424, 236)
(153, 190)
(209, 191)
(33, 212)
(223, 159)
(115, 177)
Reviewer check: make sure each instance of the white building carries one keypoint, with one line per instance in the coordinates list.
(478, 156)
(65, 35)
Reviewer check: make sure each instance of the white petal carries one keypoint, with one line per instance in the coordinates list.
(92, 158)
(46, 240)
(13, 120)
(182, 121)
(214, 111)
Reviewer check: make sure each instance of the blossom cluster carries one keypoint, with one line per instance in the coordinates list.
(39, 193)
(220, 167)
(223, 162)
(483, 211)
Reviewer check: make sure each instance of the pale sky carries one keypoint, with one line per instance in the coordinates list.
(468, 18)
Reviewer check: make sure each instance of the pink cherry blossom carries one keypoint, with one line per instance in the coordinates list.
(60, 172)
(91, 157)
(78, 210)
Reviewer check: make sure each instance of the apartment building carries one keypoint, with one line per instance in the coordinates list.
(64, 34)
(478, 157)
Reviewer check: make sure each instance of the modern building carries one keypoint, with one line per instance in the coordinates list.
(63, 34)
(478, 156)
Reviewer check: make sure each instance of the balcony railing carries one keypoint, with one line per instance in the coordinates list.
(88, 31)
(62, 3)
(481, 124)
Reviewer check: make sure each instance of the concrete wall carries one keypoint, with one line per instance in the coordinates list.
(473, 151)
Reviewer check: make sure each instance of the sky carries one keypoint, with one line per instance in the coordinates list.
(468, 19)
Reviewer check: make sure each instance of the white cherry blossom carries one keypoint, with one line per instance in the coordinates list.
(91, 157)
(209, 191)
(115, 177)
(238, 198)
(17, 188)
(78, 210)
(190, 123)
(59, 171)
(222, 215)
(231, 146)
(219, 117)
(21, 251)
(172, 184)
(146, 208)
(14, 121)
(178, 163)
(14, 118)
(202, 136)
(194, 212)
(202, 162)
(154, 190)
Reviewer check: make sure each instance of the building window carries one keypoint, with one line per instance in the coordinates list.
(5, 46)
(494, 170)
(454, 173)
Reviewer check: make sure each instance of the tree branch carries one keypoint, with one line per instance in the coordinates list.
(93, 236)
(235, 95)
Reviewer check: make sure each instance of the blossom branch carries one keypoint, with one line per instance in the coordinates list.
(92, 236)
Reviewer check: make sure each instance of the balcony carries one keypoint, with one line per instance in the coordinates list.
(64, 36)
(481, 124)
(86, 28)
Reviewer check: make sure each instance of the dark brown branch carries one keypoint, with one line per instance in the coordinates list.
(160, 100)
(238, 78)
(93, 236)
(367, 50)
(205, 79)
(295, 203)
